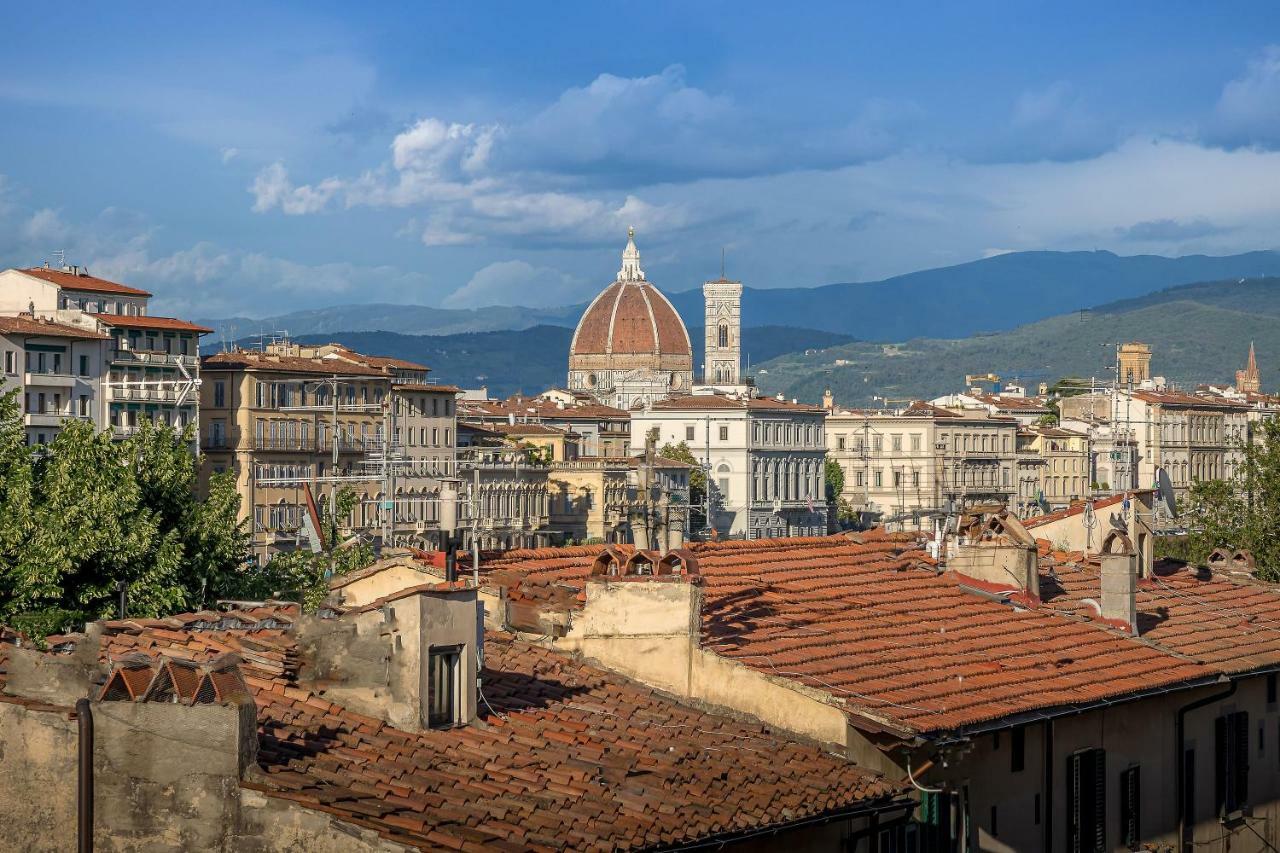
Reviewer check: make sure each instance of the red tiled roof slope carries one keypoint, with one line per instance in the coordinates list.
(74, 281)
(569, 756)
(31, 326)
(162, 323)
(897, 643)
(1201, 615)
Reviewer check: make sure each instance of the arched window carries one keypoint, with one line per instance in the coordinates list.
(723, 335)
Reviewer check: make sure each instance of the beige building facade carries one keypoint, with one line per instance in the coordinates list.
(906, 465)
(327, 418)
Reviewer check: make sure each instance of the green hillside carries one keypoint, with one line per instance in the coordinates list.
(1198, 333)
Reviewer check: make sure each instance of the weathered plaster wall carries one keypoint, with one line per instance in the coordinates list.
(169, 787)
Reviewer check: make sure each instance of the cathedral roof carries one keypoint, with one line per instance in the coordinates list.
(631, 316)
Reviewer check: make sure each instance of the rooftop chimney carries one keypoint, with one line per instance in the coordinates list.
(992, 546)
(1120, 580)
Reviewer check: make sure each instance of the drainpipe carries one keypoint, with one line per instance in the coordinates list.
(84, 778)
(1179, 768)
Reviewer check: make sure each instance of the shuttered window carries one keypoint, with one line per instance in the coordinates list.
(1130, 807)
(1231, 776)
(1086, 802)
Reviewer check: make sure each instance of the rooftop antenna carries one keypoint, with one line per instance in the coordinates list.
(722, 263)
(61, 255)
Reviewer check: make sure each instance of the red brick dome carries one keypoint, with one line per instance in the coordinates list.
(631, 317)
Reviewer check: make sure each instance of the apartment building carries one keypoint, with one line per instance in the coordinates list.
(291, 415)
(905, 465)
(1065, 475)
(763, 456)
(1190, 436)
(112, 362)
(56, 368)
(505, 492)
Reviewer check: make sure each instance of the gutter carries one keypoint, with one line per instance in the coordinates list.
(829, 817)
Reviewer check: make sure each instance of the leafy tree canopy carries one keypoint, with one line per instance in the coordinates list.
(1243, 512)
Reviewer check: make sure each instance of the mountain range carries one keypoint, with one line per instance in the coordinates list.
(529, 360)
(991, 294)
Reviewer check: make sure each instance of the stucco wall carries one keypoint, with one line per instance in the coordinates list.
(151, 792)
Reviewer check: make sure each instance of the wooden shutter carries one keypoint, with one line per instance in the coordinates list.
(1240, 750)
(1130, 807)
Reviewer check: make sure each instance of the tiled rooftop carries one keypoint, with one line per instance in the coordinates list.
(167, 324)
(84, 281)
(1230, 623)
(565, 756)
(255, 360)
(41, 327)
(872, 624)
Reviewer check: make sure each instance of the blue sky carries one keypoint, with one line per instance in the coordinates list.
(255, 159)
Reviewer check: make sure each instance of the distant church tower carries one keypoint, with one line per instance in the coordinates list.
(1247, 380)
(723, 299)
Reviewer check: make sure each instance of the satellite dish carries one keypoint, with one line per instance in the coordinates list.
(1089, 520)
(1165, 488)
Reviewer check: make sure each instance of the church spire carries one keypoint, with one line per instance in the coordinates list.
(1248, 380)
(631, 260)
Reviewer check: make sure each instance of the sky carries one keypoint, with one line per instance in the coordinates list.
(255, 159)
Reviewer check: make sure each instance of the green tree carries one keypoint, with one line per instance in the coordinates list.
(1243, 512)
(83, 515)
(833, 475)
(697, 476)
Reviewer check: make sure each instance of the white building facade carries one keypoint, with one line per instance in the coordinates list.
(107, 361)
(764, 460)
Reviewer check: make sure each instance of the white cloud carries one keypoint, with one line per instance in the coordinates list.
(1248, 111)
(45, 226)
(271, 188)
(516, 283)
(229, 154)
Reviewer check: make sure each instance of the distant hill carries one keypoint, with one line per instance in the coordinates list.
(530, 360)
(1197, 332)
(993, 294)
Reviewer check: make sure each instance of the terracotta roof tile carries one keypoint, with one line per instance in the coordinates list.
(160, 323)
(31, 326)
(254, 360)
(568, 756)
(872, 625)
(74, 281)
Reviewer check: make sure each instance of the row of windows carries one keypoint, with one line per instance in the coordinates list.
(119, 307)
(166, 342)
(40, 403)
(47, 363)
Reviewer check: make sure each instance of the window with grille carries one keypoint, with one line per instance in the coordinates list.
(445, 671)
(1231, 770)
(1131, 807)
(1086, 802)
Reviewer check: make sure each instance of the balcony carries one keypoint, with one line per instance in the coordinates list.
(47, 419)
(150, 357)
(48, 378)
(151, 394)
(285, 445)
